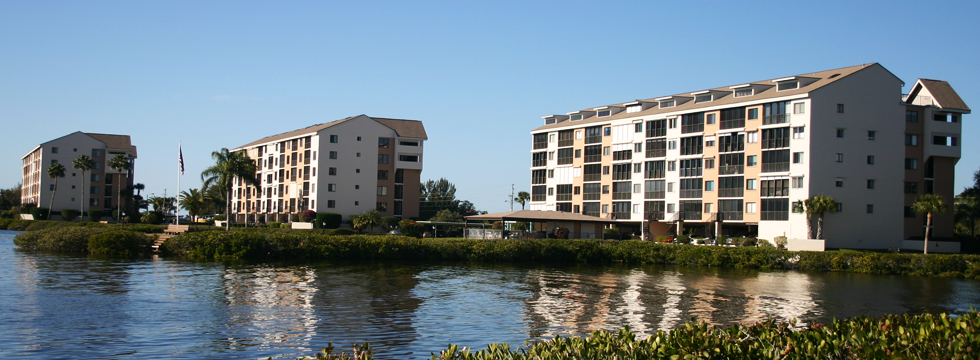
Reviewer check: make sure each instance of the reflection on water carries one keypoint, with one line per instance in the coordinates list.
(55, 305)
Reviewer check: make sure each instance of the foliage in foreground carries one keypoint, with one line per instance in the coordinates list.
(270, 244)
(895, 336)
(85, 239)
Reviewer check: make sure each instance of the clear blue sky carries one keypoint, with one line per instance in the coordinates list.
(479, 74)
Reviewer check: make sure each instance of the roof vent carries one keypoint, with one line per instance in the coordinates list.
(834, 75)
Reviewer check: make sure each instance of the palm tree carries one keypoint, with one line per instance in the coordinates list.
(228, 166)
(83, 163)
(817, 206)
(119, 163)
(522, 197)
(55, 171)
(368, 219)
(928, 204)
(139, 188)
(193, 201)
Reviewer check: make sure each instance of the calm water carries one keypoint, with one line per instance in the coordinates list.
(56, 306)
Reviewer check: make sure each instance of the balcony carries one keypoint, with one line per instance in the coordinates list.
(775, 167)
(654, 216)
(592, 177)
(732, 124)
(621, 215)
(591, 196)
(689, 215)
(593, 139)
(540, 145)
(775, 119)
(563, 197)
(655, 174)
(655, 194)
(693, 128)
(539, 197)
(566, 142)
(775, 215)
(621, 195)
(690, 172)
(655, 153)
(731, 169)
(593, 158)
(730, 192)
(730, 215)
(691, 194)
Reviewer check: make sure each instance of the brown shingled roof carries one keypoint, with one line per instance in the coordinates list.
(538, 215)
(115, 142)
(944, 94)
(768, 90)
(295, 133)
(404, 128)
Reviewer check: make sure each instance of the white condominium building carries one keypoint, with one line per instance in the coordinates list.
(733, 160)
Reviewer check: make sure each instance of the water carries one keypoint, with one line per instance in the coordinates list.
(61, 306)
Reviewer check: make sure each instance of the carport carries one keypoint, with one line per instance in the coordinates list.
(579, 226)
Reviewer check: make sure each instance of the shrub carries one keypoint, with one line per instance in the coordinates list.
(411, 228)
(94, 215)
(143, 228)
(44, 224)
(764, 242)
(748, 241)
(120, 243)
(702, 241)
(611, 233)
(683, 239)
(307, 216)
(70, 214)
(781, 242)
(273, 225)
(4, 223)
(150, 217)
(60, 239)
(342, 232)
(328, 220)
(561, 232)
(40, 213)
(722, 240)
(285, 226)
(19, 225)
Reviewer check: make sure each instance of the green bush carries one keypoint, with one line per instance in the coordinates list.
(219, 218)
(44, 224)
(273, 225)
(59, 239)
(144, 228)
(39, 213)
(611, 233)
(748, 241)
(342, 232)
(94, 215)
(764, 242)
(70, 214)
(683, 239)
(327, 220)
(4, 223)
(120, 243)
(19, 225)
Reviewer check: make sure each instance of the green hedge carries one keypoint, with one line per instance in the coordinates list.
(120, 243)
(59, 239)
(326, 220)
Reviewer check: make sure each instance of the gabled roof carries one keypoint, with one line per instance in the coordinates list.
(538, 215)
(765, 89)
(944, 95)
(404, 128)
(115, 142)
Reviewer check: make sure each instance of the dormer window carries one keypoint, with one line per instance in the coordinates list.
(744, 92)
(703, 98)
(634, 108)
(788, 85)
(603, 113)
(576, 117)
(667, 104)
(550, 121)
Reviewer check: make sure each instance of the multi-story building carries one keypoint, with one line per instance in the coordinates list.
(347, 166)
(733, 160)
(37, 188)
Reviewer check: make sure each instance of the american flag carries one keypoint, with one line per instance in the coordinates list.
(181, 159)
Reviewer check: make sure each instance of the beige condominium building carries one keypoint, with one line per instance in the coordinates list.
(733, 160)
(100, 182)
(347, 166)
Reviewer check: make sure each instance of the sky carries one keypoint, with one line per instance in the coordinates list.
(480, 75)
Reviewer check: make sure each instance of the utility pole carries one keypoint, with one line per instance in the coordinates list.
(511, 197)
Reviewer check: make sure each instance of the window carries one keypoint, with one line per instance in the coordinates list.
(788, 85)
(538, 177)
(703, 98)
(750, 184)
(692, 123)
(709, 163)
(593, 135)
(670, 187)
(911, 188)
(709, 141)
(911, 164)
(840, 108)
(551, 173)
(97, 165)
(944, 140)
(603, 113)
(382, 158)
(333, 155)
(638, 127)
(871, 183)
(871, 135)
(871, 159)
(540, 141)
(552, 138)
(799, 132)
(798, 158)
(667, 104)
(709, 186)
(382, 174)
(575, 117)
(637, 148)
(96, 153)
(408, 158)
(334, 139)
(358, 155)
(840, 157)
(606, 151)
(753, 114)
(656, 128)
(607, 131)
(578, 153)
(670, 208)
(605, 189)
(744, 92)
(605, 208)
(711, 119)
(797, 182)
(539, 159)
(54, 150)
(752, 160)
(840, 207)
(839, 182)
(752, 137)
(840, 132)
(332, 187)
(799, 108)
(96, 177)
(564, 156)
(672, 166)
(634, 108)
(911, 116)
(637, 168)
(332, 171)
(408, 143)
(750, 208)
(94, 190)
(672, 123)
(331, 204)
(637, 188)
(382, 143)
(605, 170)
(911, 140)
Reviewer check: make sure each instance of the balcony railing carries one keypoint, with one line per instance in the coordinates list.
(775, 119)
(730, 215)
(540, 145)
(539, 197)
(564, 160)
(591, 196)
(539, 162)
(731, 169)
(775, 167)
(591, 213)
(693, 128)
(655, 174)
(593, 158)
(654, 153)
(775, 215)
(730, 192)
(691, 194)
(689, 172)
(732, 124)
(621, 195)
(654, 216)
(621, 215)
(566, 142)
(563, 197)
(592, 177)
(655, 194)
(689, 215)
(593, 139)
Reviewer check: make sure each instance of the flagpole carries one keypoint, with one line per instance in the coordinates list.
(180, 166)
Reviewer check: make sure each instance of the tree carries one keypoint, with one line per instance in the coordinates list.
(162, 204)
(55, 171)
(928, 204)
(119, 163)
(967, 211)
(817, 206)
(369, 219)
(193, 201)
(439, 195)
(227, 167)
(10, 198)
(83, 163)
(522, 197)
(445, 215)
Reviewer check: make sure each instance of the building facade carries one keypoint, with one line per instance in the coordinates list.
(734, 160)
(100, 182)
(348, 166)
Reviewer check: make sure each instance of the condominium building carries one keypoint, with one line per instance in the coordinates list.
(100, 182)
(347, 166)
(734, 160)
